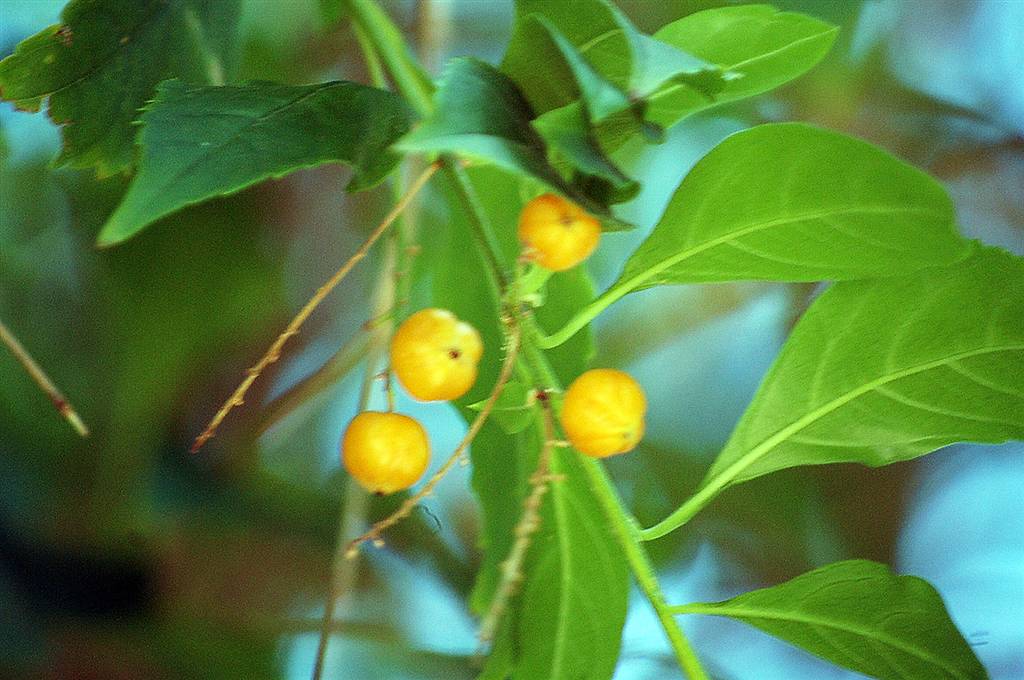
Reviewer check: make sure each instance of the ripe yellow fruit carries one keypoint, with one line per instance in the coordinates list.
(557, 234)
(603, 413)
(385, 452)
(435, 356)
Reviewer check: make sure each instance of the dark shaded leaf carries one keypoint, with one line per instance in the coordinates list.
(201, 142)
(102, 63)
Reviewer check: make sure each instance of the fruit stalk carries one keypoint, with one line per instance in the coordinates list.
(410, 503)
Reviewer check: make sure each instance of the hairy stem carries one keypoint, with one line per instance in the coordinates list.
(274, 353)
(43, 381)
(354, 507)
(627, 531)
(528, 524)
(334, 369)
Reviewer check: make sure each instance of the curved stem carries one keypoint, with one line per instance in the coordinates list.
(584, 316)
(479, 225)
(685, 512)
(237, 398)
(40, 378)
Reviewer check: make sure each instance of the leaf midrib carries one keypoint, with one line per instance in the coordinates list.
(731, 472)
(245, 128)
(746, 62)
(633, 282)
(895, 643)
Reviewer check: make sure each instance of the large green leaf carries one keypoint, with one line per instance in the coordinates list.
(481, 115)
(890, 369)
(761, 46)
(792, 202)
(860, 615)
(573, 603)
(200, 142)
(102, 63)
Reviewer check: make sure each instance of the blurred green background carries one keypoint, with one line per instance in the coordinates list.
(121, 556)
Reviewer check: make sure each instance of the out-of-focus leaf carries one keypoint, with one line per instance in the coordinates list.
(860, 615)
(481, 115)
(792, 202)
(537, 43)
(102, 63)
(201, 142)
(761, 46)
(570, 138)
(605, 40)
(887, 370)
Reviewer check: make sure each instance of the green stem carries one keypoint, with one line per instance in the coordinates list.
(626, 530)
(479, 225)
(686, 511)
(410, 78)
(584, 316)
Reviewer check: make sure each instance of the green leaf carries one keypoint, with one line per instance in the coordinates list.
(860, 615)
(595, 28)
(101, 64)
(761, 45)
(201, 142)
(514, 409)
(568, 75)
(791, 202)
(481, 115)
(607, 42)
(569, 137)
(887, 370)
(573, 603)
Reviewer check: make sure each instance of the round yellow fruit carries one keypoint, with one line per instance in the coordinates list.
(435, 356)
(557, 234)
(603, 413)
(385, 452)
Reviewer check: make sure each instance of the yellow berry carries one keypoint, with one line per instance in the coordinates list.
(385, 452)
(603, 413)
(557, 234)
(434, 355)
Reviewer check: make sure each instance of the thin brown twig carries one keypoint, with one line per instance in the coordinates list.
(344, 572)
(274, 353)
(410, 503)
(40, 378)
(528, 525)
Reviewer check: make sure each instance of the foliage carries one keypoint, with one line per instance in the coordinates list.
(917, 342)
(102, 63)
